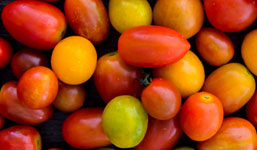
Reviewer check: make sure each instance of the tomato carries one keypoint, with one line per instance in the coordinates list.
(232, 84)
(235, 133)
(88, 18)
(83, 129)
(184, 148)
(5, 53)
(20, 18)
(1, 122)
(118, 77)
(26, 59)
(37, 87)
(161, 99)
(12, 109)
(184, 16)
(251, 110)
(161, 134)
(152, 46)
(74, 60)
(69, 97)
(187, 74)
(230, 15)
(125, 121)
(215, 47)
(20, 137)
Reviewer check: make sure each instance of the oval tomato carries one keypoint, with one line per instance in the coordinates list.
(251, 110)
(5, 53)
(1, 122)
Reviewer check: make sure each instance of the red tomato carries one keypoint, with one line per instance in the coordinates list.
(88, 18)
(1, 122)
(118, 77)
(161, 99)
(201, 116)
(83, 129)
(37, 87)
(251, 110)
(152, 46)
(34, 23)
(20, 137)
(26, 59)
(231, 15)
(5, 53)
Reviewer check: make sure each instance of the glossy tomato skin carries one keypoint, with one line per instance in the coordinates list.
(5, 53)
(37, 87)
(233, 84)
(83, 129)
(20, 18)
(88, 18)
(161, 99)
(20, 137)
(118, 77)
(215, 47)
(12, 109)
(161, 134)
(251, 110)
(184, 16)
(235, 133)
(26, 59)
(231, 15)
(1, 122)
(151, 46)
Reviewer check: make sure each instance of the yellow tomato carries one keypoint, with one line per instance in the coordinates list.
(74, 60)
(187, 74)
(125, 14)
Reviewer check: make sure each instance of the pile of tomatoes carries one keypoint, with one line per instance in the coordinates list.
(156, 86)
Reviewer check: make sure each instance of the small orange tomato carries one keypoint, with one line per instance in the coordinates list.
(214, 46)
(201, 116)
(1, 122)
(251, 110)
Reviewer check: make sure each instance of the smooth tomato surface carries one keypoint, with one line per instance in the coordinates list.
(251, 110)
(5, 53)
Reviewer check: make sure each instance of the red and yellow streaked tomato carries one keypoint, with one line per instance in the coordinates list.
(5, 53)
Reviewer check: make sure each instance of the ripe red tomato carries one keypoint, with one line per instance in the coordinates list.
(201, 116)
(35, 24)
(37, 87)
(161, 99)
(152, 46)
(1, 122)
(5, 53)
(118, 77)
(251, 110)
(83, 129)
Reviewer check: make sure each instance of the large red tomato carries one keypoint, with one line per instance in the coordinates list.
(5, 53)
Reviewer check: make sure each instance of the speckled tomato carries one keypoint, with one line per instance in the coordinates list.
(251, 110)
(5, 53)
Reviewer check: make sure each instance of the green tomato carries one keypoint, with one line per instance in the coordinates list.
(184, 148)
(125, 121)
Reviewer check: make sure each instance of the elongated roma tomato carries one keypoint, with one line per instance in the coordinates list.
(251, 110)
(5, 53)
(35, 24)
(152, 46)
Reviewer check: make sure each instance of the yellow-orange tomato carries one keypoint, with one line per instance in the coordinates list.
(184, 16)
(233, 84)
(74, 60)
(187, 74)
(249, 51)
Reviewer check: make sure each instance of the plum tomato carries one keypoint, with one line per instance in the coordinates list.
(214, 46)
(1, 122)
(251, 110)
(161, 99)
(233, 84)
(118, 77)
(83, 129)
(38, 87)
(125, 121)
(74, 60)
(152, 46)
(5, 53)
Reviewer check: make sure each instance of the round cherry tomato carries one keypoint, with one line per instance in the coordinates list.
(5, 53)
(69, 97)
(20, 137)
(214, 46)
(234, 134)
(22, 21)
(230, 15)
(12, 108)
(1, 122)
(118, 77)
(184, 16)
(152, 46)
(184, 148)
(74, 60)
(161, 134)
(251, 110)
(125, 121)
(26, 59)
(125, 14)
(161, 99)
(233, 84)
(83, 129)
(37, 87)
(187, 74)
(88, 18)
